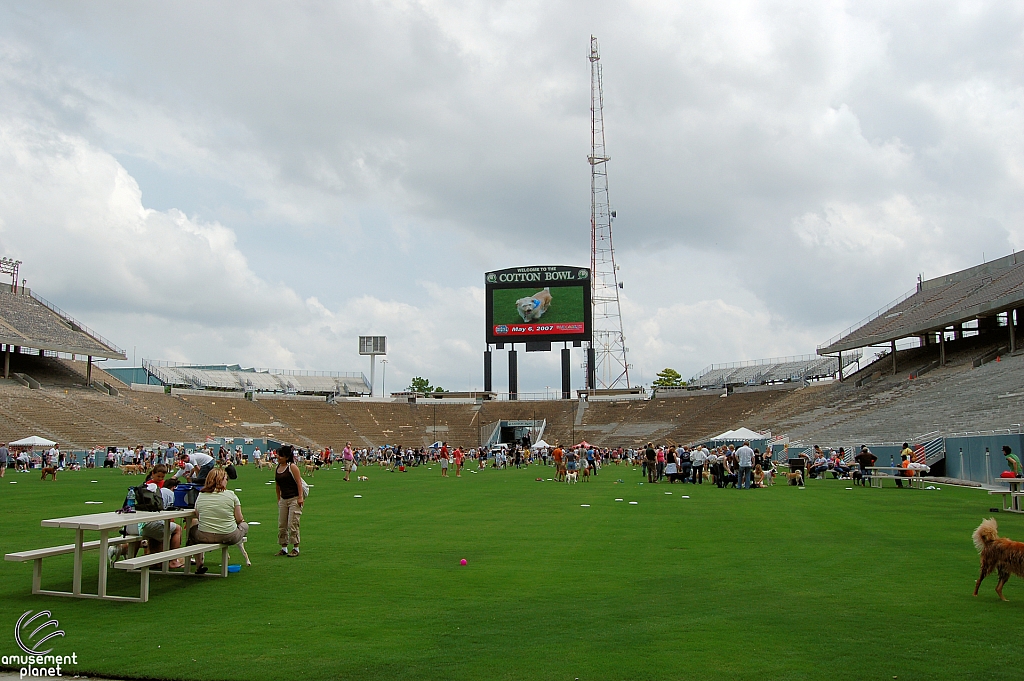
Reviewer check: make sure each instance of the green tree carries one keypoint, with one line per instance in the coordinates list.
(422, 385)
(669, 378)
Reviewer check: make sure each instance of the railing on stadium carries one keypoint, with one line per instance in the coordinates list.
(75, 324)
(874, 315)
(737, 372)
(273, 372)
(204, 376)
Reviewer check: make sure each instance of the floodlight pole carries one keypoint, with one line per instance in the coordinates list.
(373, 372)
(383, 378)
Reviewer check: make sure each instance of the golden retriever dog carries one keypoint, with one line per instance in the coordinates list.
(1005, 556)
(133, 469)
(51, 471)
(796, 478)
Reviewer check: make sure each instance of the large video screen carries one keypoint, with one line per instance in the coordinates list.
(540, 303)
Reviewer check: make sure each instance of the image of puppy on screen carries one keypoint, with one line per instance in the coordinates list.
(532, 308)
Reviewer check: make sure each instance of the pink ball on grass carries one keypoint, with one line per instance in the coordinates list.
(463, 562)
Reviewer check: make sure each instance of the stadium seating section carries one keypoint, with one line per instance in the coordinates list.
(954, 398)
(26, 318)
(781, 370)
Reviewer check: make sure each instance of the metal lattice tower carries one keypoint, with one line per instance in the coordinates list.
(611, 368)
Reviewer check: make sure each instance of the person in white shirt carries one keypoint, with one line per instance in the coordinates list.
(697, 458)
(745, 458)
(201, 465)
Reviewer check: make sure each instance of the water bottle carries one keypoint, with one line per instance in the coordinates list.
(130, 501)
(892, 461)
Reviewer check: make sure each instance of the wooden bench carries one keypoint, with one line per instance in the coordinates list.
(143, 563)
(1013, 496)
(37, 555)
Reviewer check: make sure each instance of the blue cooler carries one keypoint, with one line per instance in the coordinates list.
(185, 495)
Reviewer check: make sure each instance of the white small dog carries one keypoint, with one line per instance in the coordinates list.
(362, 478)
(570, 477)
(533, 307)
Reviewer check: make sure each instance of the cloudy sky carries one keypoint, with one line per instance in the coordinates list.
(260, 183)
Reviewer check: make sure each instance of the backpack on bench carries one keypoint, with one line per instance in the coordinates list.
(148, 500)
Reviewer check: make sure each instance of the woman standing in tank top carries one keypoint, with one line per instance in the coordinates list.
(290, 499)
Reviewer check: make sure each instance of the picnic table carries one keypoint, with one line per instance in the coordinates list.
(104, 523)
(1014, 492)
(896, 473)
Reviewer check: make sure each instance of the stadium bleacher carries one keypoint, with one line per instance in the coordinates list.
(875, 403)
(234, 377)
(28, 321)
(775, 370)
(976, 293)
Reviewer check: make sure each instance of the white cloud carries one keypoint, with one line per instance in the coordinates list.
(271, 182)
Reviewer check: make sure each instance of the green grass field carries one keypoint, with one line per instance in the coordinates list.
(765, 584)
(566, 304)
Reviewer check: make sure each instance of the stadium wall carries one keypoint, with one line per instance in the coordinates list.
(974, 465)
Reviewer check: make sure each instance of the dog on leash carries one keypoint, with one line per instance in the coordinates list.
(571, 476)
(586, 473)
(51, 471)
(1005, 556)
(796, 478)
(532, 308)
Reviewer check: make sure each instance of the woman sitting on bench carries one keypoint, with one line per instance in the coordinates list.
(219, 514)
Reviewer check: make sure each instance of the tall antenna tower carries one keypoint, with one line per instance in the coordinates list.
(610, 367)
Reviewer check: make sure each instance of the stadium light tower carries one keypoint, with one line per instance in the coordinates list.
(610, 368)
(10, 266)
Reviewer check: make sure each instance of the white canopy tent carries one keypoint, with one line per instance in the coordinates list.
(740, 434)
(541, 445)
(33, 441)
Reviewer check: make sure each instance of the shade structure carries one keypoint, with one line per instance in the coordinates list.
(584, 444)
(33, 441)
(739, 434)
(541, 445)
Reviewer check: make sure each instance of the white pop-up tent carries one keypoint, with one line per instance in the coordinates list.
(33, 441)
(541, 445)
(739, 435)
